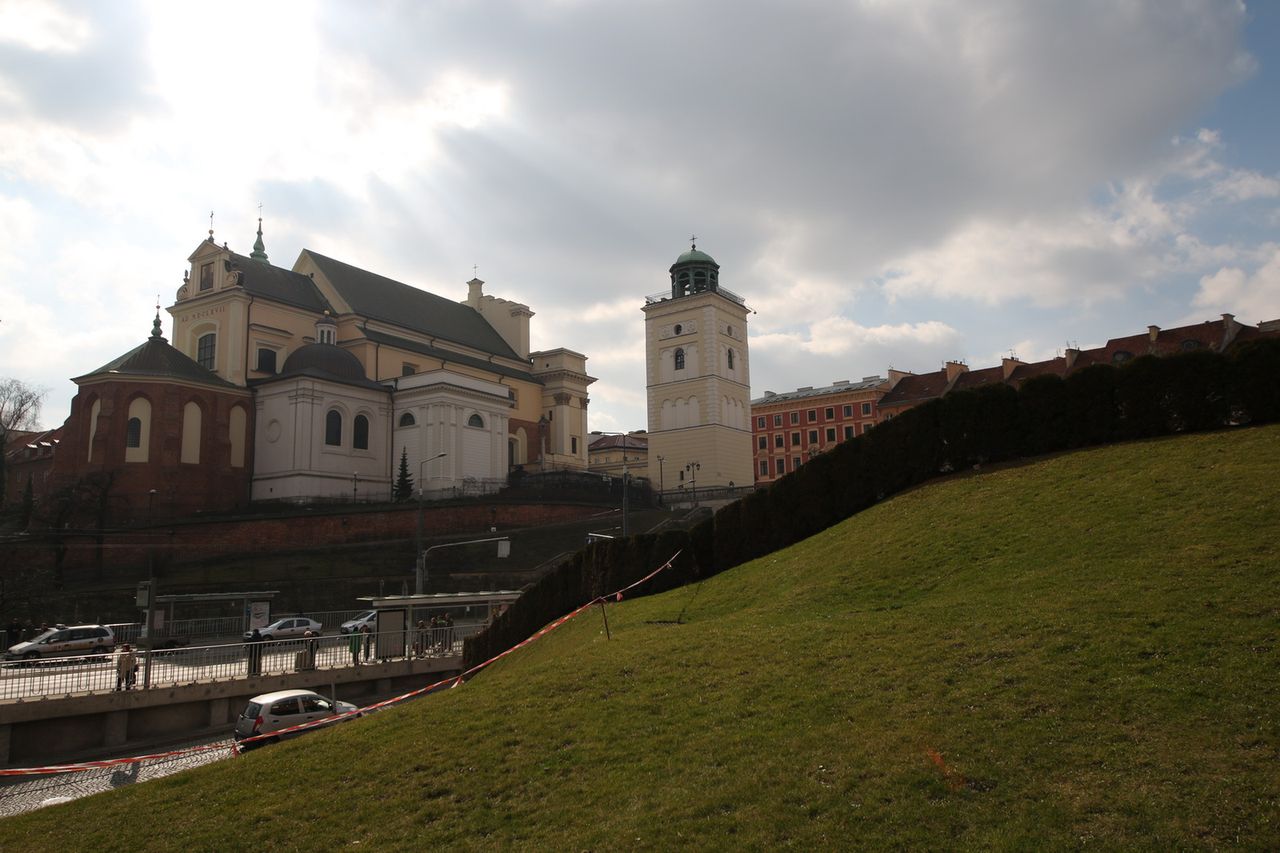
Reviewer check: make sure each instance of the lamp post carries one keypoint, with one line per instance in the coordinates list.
(693, 468)
(355, 487)
(626, 480)
(661, 488)
(419, 556)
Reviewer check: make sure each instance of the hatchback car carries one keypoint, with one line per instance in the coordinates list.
(65, 642)
(287, 628)
(283, 709)
(369, 617)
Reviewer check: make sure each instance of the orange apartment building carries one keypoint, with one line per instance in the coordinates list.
(790, 428)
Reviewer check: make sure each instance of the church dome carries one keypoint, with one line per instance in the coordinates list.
(694, 272)
(326, 358)
(695, 255)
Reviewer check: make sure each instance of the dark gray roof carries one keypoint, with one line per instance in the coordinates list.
(156, 358)
(380, 298)
(282, 285)
(802, 393)
(448, 356)
(327, 362)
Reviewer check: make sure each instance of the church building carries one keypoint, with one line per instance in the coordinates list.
(311, 382)
(698, 379)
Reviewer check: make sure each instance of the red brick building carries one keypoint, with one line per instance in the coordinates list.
(789, 429)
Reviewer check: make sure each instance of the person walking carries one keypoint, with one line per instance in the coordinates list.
(368, 641)
(126, 668)
(447, 625)
(309, 648)
(353, 646)
(255, 652)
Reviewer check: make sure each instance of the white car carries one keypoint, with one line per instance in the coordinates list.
(283, 709)
(65, 642)
(369, 617)
(287, 628)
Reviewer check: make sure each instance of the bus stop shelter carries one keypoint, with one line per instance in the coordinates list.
(398, 614)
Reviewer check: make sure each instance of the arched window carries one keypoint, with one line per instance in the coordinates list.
(333, 428)
(407, 419)
(236, 424)
(133, 435)
(1121, 356)
(731, 359)
(191, 423)
(360, 433)
(680, 358)
(137, 435)
(206, 350)
(94, 411)
(475, 421)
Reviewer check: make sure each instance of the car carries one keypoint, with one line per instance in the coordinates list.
(369, 617)
(65, 641)
(283, 709)
(288, 628)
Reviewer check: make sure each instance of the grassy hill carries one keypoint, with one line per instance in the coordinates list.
(1078, 652)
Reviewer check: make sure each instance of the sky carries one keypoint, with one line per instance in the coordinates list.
(887, 183)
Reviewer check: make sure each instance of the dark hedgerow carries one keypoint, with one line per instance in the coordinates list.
(1098, 404)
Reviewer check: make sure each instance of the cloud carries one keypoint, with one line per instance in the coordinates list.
(1252, 296)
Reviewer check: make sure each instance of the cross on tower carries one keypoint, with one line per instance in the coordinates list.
(211, 225)
(693, 240)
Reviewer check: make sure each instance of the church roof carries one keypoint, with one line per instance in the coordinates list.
(448, 355)
(324, 361)
(380, 298)
(695, 255)
(156, 359)
(271, 282)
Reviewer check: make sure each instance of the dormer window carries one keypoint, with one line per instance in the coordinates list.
(206, 350)
(206, 276)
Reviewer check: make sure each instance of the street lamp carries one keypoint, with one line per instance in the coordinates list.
(693, 468)
(418, 554)
(355, 487)
(626, 479)
(661, 487)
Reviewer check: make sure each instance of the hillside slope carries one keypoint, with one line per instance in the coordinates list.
(1079, 651)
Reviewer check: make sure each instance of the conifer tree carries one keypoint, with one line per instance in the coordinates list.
(404, 483)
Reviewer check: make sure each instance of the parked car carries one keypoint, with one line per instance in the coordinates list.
(369, 617)
(65, 641)
(287, 628)
(272, 712)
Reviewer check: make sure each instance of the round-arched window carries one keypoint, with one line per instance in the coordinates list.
(475, 421)
(333, 428)
(679, 328)
(407, 419)
(360, 433)
(731, 359)
(679, 359)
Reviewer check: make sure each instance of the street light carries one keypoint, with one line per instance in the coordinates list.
(418, 554)
(626, 478)
(693, 468)
(355, 487)
(661, 487)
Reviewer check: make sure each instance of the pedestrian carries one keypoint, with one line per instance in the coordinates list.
(126, 668)
(448, 633)
(255, 652)
(310, 646)
(353, 645)
(435, 634)
(368, 641)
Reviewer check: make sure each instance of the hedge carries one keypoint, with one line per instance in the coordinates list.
(1146, 397)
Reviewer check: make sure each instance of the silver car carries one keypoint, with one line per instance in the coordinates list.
(65, 642)
(288, 628)
(283, 709)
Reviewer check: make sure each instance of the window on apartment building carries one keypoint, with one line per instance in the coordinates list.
(795, 418)
(777, 440)
(764, 467)
(813, 416)
(763, 442)
(795, 462)
(780, 465)
(795, 439)
(831, 433)
(848, 432)
(813, 436)
(830, 413)
(777, 420)
(866, 409)
(848, 411)
(760, 423)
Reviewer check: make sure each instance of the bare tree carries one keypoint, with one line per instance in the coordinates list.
(19, 409)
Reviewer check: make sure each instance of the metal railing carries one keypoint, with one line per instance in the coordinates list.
(69, 676)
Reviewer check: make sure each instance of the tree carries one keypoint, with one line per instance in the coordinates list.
(19, 410)
(403, 490)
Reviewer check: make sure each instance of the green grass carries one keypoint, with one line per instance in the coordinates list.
(1081, 652)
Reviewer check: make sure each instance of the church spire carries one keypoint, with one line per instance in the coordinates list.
(259, 252)
(156, 333)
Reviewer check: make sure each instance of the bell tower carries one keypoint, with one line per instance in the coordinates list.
(698, 380)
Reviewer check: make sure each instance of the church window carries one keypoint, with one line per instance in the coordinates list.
(133, 435)
(679, 358)
(573, 444)
(206, 276)
(206, 350)
(236, 428)
(731, 359)
(266, 360)
(360, 433)
(408, 369)
(333, 428)
(407, 419)
(475, 421)
(190, 453)
(138, 430)
(679, 328)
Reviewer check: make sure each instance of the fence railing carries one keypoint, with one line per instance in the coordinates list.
(70, 676)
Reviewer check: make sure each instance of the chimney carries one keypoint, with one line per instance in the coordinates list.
(1153, 332)
(1008, 365)
(475, 291)
(1071, 355)
(896, 376)
(954, 369)
(1230, 328)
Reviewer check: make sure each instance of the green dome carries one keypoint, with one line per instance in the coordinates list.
(694, 255)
